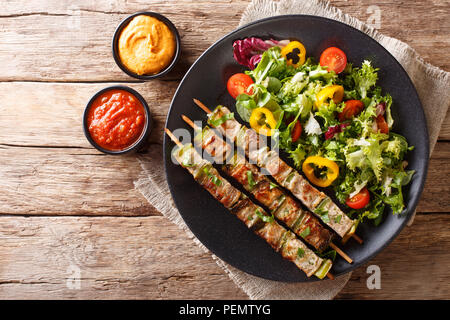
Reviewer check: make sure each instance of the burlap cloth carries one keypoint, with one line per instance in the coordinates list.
(433, 87)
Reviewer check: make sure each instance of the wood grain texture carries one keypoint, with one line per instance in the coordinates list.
(69, 181)
(64, 175)
(131, 258)
(126, 258)
(411, 266)
(421, 24)
(64, 203)
(74, 39)
(78, 36)
(50, 114)
(78, 181)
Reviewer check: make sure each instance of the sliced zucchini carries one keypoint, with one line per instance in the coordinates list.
(323, 269)
(351, 231)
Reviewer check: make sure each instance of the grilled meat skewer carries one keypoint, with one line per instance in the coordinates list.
(284, 207)
(253, 216)
(257, 152)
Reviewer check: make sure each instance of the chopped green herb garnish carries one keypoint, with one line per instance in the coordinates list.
(224, 118)
(338, 219)
(320, 210)
(305, 233)
(264, 217)
(300, 253)
(329, 254)
(187, 164)
(212, 177)
(273, 185)
(325, 218)
(250, 180)
(280, 200)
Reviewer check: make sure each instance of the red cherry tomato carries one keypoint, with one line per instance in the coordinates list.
(351, 109)
(297, 131)
(333, 58)
(238, 83)
(360, 200)
(382, 124)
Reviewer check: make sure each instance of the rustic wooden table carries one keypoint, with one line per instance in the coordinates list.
(65, 206)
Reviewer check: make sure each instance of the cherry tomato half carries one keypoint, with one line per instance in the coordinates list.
(360, 200)
(351, 109)
(382, 125)
(296, 132)
(238, 83)
(333, 58)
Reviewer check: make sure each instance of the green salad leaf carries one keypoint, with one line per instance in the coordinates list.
(244, 106)
(364, 78)
(366, 158)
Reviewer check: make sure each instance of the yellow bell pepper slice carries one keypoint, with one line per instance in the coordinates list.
(263, 121)
(334, 92)
(295, 53)
(321, 162)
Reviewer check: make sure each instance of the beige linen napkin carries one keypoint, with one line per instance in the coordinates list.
(432, 84)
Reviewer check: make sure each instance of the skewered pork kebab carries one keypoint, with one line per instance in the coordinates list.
(248, 140)
(280, 204)
(254, 217)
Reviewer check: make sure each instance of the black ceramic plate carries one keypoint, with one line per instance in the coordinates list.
(223, 233)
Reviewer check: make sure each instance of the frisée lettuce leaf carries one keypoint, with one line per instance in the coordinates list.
(366, 158)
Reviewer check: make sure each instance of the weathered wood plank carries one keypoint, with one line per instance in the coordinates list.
(418, 23)
(69, 181)
(437, 198)
(50, 114)
(444, 134)
(414, 266)
(78, 181)
(130, 258)
(74, 40)
(126, 258)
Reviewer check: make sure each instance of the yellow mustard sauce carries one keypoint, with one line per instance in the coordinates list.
(146, 45)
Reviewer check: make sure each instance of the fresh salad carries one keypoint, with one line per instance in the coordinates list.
(330, 117)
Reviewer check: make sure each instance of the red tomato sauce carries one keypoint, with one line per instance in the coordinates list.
(116, 120)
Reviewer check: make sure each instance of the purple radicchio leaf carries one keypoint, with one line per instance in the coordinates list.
(334, 130)
(248, 51)
(255, 60)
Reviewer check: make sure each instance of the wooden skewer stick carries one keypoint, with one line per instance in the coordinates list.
(178, 143)
(173, 138)
(332, 245)
(355, 236)
(202, 106)
(341, 253)
(190, 122)
(208, 111)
